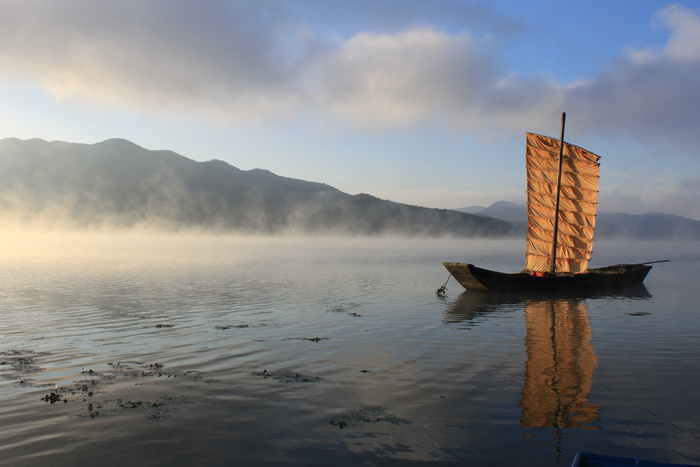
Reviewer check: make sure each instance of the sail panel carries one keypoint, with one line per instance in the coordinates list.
(546, 145)
(570, 265)
(566, 204)
(544, 216)
(577, 204)
(537, 247)
(545, 223)
(537, 263)
(568, 177)
(539, 160)
(547, 189)
(540, 243)
(564, 229)
(542, 263)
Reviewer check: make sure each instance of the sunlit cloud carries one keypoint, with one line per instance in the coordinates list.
(399, 79)
(248, 62)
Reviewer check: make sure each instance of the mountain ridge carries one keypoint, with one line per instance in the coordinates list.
(118, 184)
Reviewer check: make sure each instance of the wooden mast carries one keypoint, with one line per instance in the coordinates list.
(553, 261)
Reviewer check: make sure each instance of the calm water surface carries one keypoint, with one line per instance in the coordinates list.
(234, 351)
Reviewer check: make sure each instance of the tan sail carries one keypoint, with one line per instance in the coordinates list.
(577, 206)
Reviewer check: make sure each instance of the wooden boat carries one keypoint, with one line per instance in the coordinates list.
(620, 275)
(562, 198)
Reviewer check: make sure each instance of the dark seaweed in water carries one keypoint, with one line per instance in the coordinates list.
(365, 414)
(310, 339)
(53, 398)
(155, 409)
(20, 362)
(345, 308)
(240, 326)
(140, 370)
(285, 376)
(88, 387)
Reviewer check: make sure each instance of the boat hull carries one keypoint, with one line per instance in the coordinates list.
(474, 278)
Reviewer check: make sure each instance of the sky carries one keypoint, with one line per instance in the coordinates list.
(416, 101)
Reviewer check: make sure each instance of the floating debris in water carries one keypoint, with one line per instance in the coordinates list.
(86, 389)
(345, 308)
(240, 326)
(92, 413)
(639, 313)
(285, 376)
(310, 339)
(161, 407)
(159, 326)
(129, 404)
(53, 397)
(365, 414)
(340, 424)
(137, 369)
(20, 362)
(153, 409)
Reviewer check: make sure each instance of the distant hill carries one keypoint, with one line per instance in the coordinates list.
(506, 210)
(472, 209)
(119, 184)
(652, 226)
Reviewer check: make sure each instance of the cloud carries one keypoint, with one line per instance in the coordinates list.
(423, 74)
(649, 92)
(248, 61)
(217, 57)
(256, 60)
(684, 44)
(399, 79)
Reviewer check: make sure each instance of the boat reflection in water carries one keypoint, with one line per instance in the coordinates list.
(560, 355)
(559, 367)
(471, 308)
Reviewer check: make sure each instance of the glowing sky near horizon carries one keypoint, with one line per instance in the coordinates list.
(420, 102)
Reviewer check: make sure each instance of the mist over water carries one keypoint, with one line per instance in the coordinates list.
(219, 350)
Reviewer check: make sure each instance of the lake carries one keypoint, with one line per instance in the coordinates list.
(214, 350)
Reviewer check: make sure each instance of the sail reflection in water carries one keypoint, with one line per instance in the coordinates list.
(560, 365)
